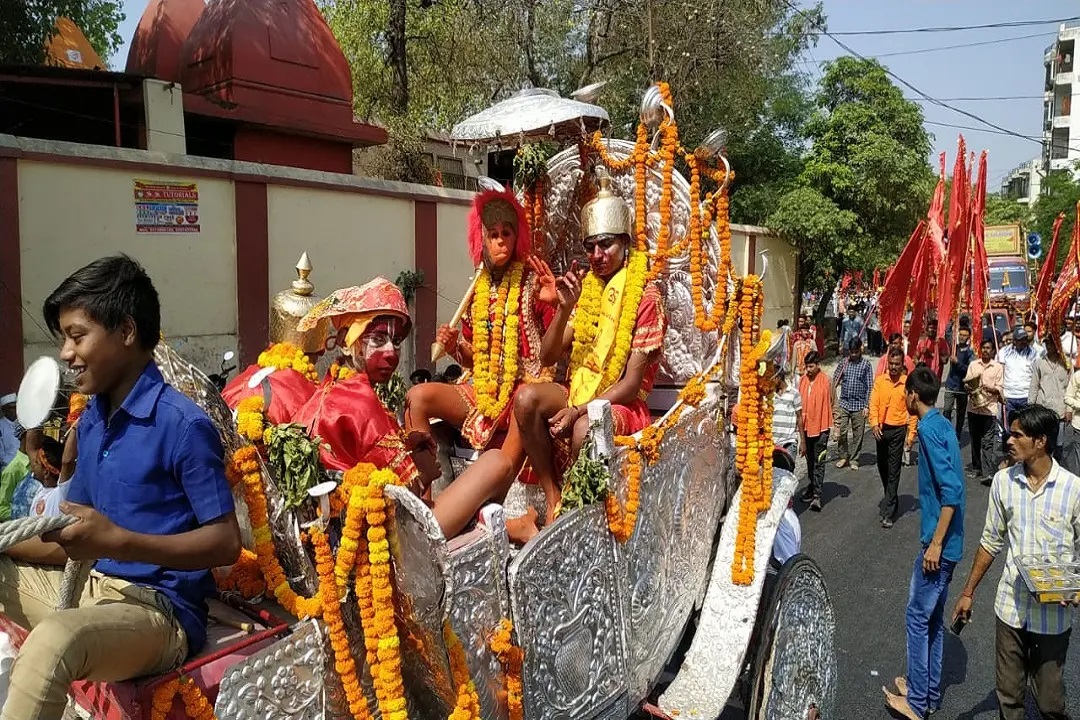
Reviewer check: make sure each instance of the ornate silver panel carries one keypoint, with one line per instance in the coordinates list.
(480, 600)
(667, 556)
(800, 670)
(281, 682)
(418, 554)
(568, 612)
(715, 659)
(192, 382)
(687, 351)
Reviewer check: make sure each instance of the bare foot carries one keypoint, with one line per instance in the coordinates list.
(523, 529)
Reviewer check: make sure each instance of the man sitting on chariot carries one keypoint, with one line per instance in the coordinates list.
(345, 413)
(514, 294)
(292, 353)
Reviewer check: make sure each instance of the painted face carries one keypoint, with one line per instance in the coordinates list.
(96, 355)
(499, 242)
(606, 254)
(379, 348)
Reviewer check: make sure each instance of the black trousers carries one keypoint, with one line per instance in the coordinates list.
(890, 457)
(982, 440)
(959, 401)
(816, 450)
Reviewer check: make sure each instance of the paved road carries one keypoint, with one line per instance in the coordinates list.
(868, 569)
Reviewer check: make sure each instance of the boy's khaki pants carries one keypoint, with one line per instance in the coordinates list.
(118, 631)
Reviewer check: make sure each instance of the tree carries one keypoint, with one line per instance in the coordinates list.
(867, 159)
(1059, 194)
(26, 26)
(1005, 211)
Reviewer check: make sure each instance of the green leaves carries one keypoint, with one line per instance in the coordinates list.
(392, 393)
(293, 458)
(1059, 194)
(586, 482)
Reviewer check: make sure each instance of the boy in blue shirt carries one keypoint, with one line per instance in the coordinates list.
(153, 506)
(941, 500)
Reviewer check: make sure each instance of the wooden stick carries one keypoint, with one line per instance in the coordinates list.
(243, 626)
(437, 349)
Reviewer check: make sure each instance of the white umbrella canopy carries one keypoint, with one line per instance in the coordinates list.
(531, 114)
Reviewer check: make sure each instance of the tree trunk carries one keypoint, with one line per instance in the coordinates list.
(530, 40)
(399, 99)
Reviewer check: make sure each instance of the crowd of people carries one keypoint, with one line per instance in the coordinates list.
(1019, 396)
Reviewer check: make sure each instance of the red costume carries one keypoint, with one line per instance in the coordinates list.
(289, 391)
(649, 331)
(346, 414)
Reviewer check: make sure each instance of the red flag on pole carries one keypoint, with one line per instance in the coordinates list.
(894, 294)
(979, 282)
(1046, 275)
(1067, 284)
(950, 280)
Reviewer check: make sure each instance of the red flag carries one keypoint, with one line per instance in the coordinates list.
(950, 280)
(1046, 275)
(894, 294)
(845, 281)
(979, 282)
(1067, 284)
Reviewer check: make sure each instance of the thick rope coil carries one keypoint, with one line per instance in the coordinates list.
(14, 532)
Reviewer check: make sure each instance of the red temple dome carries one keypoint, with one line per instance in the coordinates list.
(155, 47)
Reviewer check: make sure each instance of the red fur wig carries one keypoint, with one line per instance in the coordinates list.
(522, 247)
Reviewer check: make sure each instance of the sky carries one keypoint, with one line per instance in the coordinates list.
(1011, 69)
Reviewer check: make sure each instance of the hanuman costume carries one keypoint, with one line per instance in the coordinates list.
(345, 413)
(612, 321)
(294, 378)
(511, 307)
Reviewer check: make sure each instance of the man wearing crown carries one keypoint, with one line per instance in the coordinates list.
(291, 357)
(511, 306)
(371, 322)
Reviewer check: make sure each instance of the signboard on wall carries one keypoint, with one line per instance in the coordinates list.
(166, 207)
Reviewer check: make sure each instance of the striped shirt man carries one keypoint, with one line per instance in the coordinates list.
(786, 406)
(1046, 521)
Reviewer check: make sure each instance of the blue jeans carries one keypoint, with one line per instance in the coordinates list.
(926, 634)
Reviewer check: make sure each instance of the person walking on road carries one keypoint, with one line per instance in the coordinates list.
(854, 378)
(816, 397)
(931, 350)
(1018, 360)
(1034, 508)
(955, 395)
(941, 540)
(850, 328)
(1049, 383)
(894, 431)
(984, 385)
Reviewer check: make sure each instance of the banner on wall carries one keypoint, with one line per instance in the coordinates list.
(166, 207)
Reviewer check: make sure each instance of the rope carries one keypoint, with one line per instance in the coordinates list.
(14, 532)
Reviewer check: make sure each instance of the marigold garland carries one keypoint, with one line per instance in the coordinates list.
(753, 438)
(76, 406)
(467, 706)
(196, 705)
(344, 663)
(161, 702)
(246, 460)
(623, 518)
(249, 418)
(496, 343)
(243, 577)
(340, 372)
(511, 658)
(286, 356)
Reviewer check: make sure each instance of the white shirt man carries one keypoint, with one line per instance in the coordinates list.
(1019, 361)
(1070, 344)
(9, 436)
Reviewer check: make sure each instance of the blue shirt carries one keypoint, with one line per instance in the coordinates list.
(958, 370)
(856, 382)
(941, 482)
(24, 495)
(156, 467)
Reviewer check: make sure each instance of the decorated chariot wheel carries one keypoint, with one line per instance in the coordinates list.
(794, 670)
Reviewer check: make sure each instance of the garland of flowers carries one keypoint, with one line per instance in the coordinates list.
(467, 706)
(511, 657)
(587, 319)
(341, 372)
(669, 147)
(243, 576)
(249, 418)
(622, 518)
(495, 355)
(196, 705)
(709, 321)
(753, 447)
(286, 356)
(350, 538)
(246, 460)
(344, 662)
